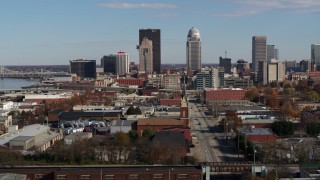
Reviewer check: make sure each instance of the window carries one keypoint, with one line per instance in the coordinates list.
(61, 177)
(134, 176)
(85, 177)
(158, 176)
(182, 176)
(38, 176)
(109, 176)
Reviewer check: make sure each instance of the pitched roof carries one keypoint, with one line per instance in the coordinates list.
(158, 121)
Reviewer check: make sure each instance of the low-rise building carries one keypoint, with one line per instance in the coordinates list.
(121, 126)
(34, 137)
(258, 135)
(74, 137)
(224, 94)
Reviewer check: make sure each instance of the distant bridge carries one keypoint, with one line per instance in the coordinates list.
(8, 73)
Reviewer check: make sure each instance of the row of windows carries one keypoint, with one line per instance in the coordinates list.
(112, 177)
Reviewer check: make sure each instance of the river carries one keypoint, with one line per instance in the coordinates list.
(8, 83)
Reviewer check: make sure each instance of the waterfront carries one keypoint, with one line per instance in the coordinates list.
(8, 83)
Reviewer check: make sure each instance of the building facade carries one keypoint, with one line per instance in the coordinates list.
(155, 36)
(226, 64)
(83, 68)
(259, 51)
(108, 63)
(276, 71)
(272, 53)
(122, 64)
(146, 56)
(194, 50)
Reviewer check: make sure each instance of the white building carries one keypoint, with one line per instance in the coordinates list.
(194, 50)
(121, 126)
(276, 71)
(122, 63)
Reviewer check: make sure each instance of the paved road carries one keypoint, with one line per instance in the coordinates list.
(212, 144)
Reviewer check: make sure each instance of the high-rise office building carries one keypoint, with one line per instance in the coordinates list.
(117, 64)
(194, 50)
(272, 53)
(276, 71)
(259, 51)
(226, 64)
(154, 36)
(146, 56)
(83, 68)
(108, 63)
(305, 65)
(315, 54)
(122, 63)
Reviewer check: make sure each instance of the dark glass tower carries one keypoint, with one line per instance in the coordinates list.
(83, 68)
(154, 36)
(108, 63)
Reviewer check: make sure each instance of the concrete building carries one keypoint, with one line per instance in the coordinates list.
(171, 81)
(34, 137)
(276, 71)
(272, 53)
(315, 54)
(122, 63)
(83, 68)
(146, 56)
(259, 51)
(121, 126)
(153, 35)
(238, 83)
(226, 64)
(194, 50)
(210, 78)
(78, 136)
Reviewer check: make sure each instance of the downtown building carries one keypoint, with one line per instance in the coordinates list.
(259, 59)
(210, 78)
(154, 36)
(315, 55)
(193, 50)
(117, 64)
(83, 68)
(146, 56)
(226, 64)
(272, 53)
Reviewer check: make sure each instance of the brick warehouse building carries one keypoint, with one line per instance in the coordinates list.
(129, 82)
(107, 172)
(224, 94)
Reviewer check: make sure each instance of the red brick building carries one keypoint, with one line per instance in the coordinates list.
(258, 135)
(120, 172)
(170, 102)
(130, 82)
(147, 91)
(224, 94)
(158, 123)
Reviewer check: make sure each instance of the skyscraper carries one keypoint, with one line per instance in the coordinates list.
(226, 64)
(83, 68)
(194, 50)
(315, 54)
(117, 64)
(146, 56)
(122, 63)
(108, 63)
(154, 36)
(259, 51)
(272, 53)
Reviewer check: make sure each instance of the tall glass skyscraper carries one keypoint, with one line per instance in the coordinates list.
(315, 54)
(194, 50)
(154, 36)
(146, 56)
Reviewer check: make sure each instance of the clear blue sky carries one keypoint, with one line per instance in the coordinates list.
(44, 32)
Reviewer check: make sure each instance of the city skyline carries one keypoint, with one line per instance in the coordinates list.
(54, 32)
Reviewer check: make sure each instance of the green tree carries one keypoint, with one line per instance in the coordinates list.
(133, 135)
(131, 110)
(312, 96)
(148, 133)
(282, 128)
(137, 110)
(313, 129)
